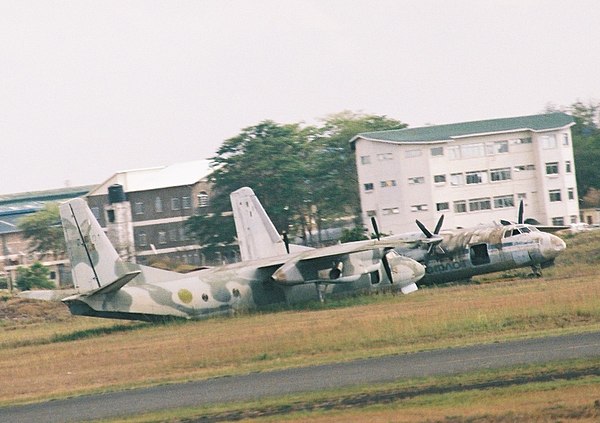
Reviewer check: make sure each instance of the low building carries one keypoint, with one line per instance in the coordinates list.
(471, 172)
(15, 249)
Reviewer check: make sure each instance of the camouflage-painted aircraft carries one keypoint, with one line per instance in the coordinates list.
(110, 287)
(448, 255)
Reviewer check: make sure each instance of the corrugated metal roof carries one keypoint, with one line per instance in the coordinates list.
(175, 175)
(457, 130)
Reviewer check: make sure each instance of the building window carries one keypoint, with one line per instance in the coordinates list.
(457, 179)
(558, 221)
(419, 207)
(183, 234)
(522, 168)
(555, 195)
(368, 186)
(503, 201)
(526, 140)
(476, 177)
(186, 202)
(454, 152)
(393, 210)
(175, 203)
(202, 199)
(548, 141)
(470, 151)
(416, 180)
(442, 206)
(568, 168)
(497, 147)
(460, 206)
(142, 239)
(172, 235)
(521, 196)
(573, 218)
(365, 160)
(565, 138)
(437, 151)
(388, 183)
(138, 207)
(439, 179)
(162, 237)
(478, 204)
(96, 212)
(552, 168)
(158, 205)
(412, 153)
(571, 193)
(385, 156)
(371, 213)
(500, 174)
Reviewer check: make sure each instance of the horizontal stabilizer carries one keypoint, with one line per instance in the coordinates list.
(115, 285)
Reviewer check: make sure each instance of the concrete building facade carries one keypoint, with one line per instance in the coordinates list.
(471, 172)
(148, 222)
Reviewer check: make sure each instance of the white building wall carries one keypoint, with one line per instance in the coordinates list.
(415, 195)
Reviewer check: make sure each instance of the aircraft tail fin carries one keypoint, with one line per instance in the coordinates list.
(257, 236)
(95, 265)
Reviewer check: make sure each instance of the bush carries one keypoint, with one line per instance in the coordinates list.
(32, 277)
(3, 283)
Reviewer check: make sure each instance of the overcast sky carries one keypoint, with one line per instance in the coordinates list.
(89, 88)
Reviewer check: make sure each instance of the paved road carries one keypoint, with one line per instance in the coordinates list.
(261, 385)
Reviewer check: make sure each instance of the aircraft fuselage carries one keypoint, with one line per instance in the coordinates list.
(465, 253)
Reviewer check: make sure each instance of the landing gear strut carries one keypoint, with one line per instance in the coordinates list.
(536, 270)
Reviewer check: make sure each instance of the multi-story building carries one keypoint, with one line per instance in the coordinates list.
(471, 172)
(145, 210)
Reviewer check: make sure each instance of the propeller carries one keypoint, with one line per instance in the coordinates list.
(375, 227)
(519, 216)
(427, 232)
(384, 259)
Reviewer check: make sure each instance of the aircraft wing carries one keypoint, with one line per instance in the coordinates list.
(343, 263)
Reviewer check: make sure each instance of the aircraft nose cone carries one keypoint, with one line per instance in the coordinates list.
(553, 248)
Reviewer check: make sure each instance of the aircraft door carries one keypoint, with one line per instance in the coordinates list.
(479, 254)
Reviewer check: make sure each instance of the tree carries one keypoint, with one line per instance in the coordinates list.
(269, 157)
(43, 229)
(334, 179)
(586, 146)
(302, 174)
(35, 276)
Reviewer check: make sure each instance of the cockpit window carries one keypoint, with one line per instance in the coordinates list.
(525, 230)
(515, 231)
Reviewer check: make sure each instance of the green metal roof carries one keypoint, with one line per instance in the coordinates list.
(456, 130)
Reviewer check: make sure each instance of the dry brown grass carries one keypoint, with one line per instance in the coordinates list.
(578, 402)
(36, 361)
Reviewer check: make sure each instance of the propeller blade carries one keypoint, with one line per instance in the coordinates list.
(375, 227)
(438, 227)
(286, 241)
(424, 229)
(386, 267)
(520, 217)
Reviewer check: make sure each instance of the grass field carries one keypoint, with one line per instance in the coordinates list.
(46, 353)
